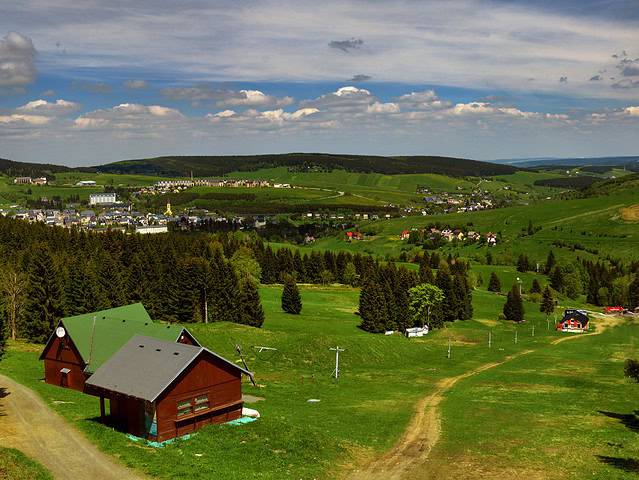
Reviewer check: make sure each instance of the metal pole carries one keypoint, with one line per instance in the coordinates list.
(490, 339)
(448, 347)
(533, 331)
(336, 371)
(515, 335)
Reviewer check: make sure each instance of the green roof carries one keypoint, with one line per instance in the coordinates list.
(113, 329)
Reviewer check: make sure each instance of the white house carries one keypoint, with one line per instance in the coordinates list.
(148, 229)
(86, 183)
(106, 198)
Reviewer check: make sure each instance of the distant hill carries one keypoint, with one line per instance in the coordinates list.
(24, 169)
(221, 165)
(632, 162)
(605, 187)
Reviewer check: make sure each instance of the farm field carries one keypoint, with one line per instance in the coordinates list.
(593, 223)
(382, 379)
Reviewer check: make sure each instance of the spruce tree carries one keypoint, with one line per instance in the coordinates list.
(425, 273)
(45, 298)
(372, 308)
(547, 305)
(291, 300)
(535, 287)
(557, 279)
(550, 263)
(449, 306)
(494, 285)
(251, 305)
(523, 265)
(514, 306)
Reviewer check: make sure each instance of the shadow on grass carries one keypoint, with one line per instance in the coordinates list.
(625, 464)
(629, 420)
(109, 422)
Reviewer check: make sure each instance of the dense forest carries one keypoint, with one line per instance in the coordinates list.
(221, 165)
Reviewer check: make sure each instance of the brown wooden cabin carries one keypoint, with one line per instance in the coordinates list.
(159, 390)
(82, 343)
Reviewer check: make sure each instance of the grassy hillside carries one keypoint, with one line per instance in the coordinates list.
(221, 165)
(361, 415)
(594, 223)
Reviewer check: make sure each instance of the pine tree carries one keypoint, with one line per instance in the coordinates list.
(45, 298)
(449, 307)
(372, 308)
(523, 265)
(557, 279)
(550, 263)
(291, 300)
(514, 306)
(350, 276)
(251, 305)
(535, 287)
(425, 273)
(547, 305)
(494, 285)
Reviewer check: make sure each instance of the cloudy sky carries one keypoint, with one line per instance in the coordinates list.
(83, 83)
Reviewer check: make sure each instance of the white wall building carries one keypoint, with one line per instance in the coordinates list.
(146, 229)
(106, 198)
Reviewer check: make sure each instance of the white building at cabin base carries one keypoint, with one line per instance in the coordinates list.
(417, 331)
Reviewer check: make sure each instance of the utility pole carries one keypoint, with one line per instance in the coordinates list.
(336, 371)
(490, 339)
(533, 330)
(448, 356)
(515, 335)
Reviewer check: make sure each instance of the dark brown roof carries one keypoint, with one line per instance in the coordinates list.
(145, 367)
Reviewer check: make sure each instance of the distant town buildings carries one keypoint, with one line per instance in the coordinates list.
(105, 198)
(86, 183)
(150, 229)
(30, 181)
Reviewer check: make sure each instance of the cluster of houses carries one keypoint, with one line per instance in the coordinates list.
(30, 181)
(174, 186)
(459, 202)
(92, 220)
(450, 235)
(160, 383)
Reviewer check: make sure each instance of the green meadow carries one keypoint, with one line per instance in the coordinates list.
(358, 416)
(14, 465)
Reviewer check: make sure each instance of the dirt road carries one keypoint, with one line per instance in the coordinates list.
(405, 459)
(28, 424)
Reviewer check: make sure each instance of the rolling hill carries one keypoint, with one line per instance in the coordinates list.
(304, 162)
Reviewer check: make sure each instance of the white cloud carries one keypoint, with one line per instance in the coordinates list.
(16, 61)
(351, 91)
(378, 107)
(131, 116)
(43, 107)
(254, 98)
(426, 99)
(28, 119)
(632, 111)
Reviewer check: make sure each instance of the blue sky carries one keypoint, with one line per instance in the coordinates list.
(93, 82)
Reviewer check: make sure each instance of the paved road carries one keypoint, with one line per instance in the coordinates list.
(28, 424)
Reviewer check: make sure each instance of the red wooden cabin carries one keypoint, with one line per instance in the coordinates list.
(81, 344)
(160, 390)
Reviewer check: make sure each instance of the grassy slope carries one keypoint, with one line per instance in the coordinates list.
(14, 465)
(562, 412)
(597, 217)
(367, 409)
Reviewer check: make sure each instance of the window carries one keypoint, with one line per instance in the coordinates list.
(191, 405)
(201, 403)
(184, 408)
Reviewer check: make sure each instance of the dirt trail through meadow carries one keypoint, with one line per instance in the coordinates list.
(28, 424)
(412, 450)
